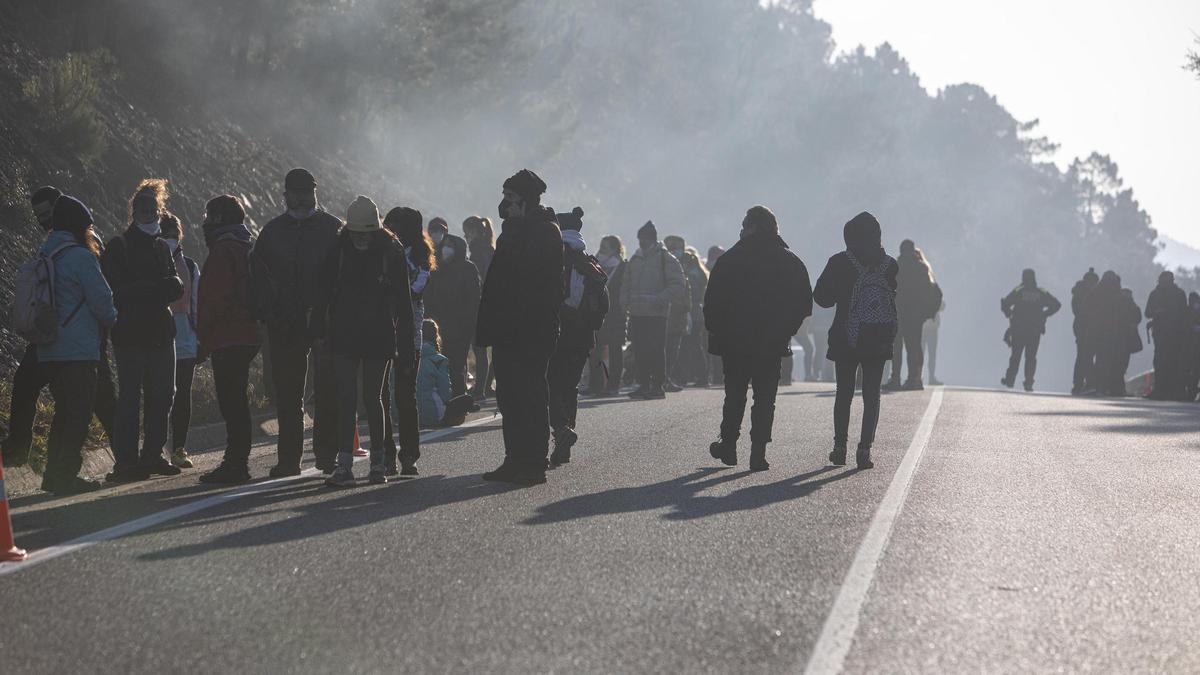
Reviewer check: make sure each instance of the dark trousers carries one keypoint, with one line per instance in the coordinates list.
(806, 343)
(1028, 345)
(761, 373)
(73, 386)
(649, 337)
(483, 371)
(674, 342)
(350, 372)
(457, 352)
(231, 378)
(181, 408)
(1170, 366)
(148, 370)
(692, 363)
(1085, 366)
(614, 358)
(289, 370)
(908, 340)
(563, 374)
(872, 377)
(407, 420)
(522, 394)
(28, 382)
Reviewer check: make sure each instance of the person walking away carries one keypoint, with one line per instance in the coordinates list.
(141, 273)
(184, 313)
(860, 283)
(518, 319)
(80, 308)
(481, 244)
(226, 331)
(929, 339)
(452, 299)
(1168, 312)
(365, 312)
(677, 318)
(585, 286)
(652, 283)
(757, 298)
(30, 378)
(1085, 343)
(285, 274)
(608, 364)
(917, 299)
(1027, 307)
(438, 407)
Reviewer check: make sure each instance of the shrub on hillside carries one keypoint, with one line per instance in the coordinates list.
(64, 95)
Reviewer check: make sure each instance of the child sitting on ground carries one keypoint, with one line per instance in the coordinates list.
(436, 407)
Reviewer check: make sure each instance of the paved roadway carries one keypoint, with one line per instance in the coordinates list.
(1037, 534)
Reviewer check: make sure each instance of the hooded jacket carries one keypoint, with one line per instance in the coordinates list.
(652, 282)
(836, 286)
(520, 300)
(1167, 308)
(452, 293)
(79, 288)
(918, 298)
(223, 306)
(141, 273)
(287, 265)
(433, 385)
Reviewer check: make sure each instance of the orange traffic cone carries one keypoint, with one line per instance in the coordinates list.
(359, 450)
(8, 548)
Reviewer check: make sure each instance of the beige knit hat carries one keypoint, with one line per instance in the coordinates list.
(363, 215)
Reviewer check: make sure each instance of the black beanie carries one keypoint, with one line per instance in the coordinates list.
(403, 215)
(1090, 275)
(47, 194)
(300, 180)
(225, 210)
(572, 220)
(647, 231)
(70, 214)
(527, 184)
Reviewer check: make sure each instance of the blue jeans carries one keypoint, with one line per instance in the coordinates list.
(150, 370)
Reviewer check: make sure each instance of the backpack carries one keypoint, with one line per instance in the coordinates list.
(35, 313)
(872, 319)
(594, 304)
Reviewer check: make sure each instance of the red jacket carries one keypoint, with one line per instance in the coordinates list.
(224, 306)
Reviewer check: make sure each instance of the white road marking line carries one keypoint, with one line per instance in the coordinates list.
(145, 522)
(829, 654)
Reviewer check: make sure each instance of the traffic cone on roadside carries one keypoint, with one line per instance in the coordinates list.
(359, 450)
(8, 548)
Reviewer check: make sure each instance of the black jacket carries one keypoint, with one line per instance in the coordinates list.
(481, 255)
(758, 295)
(286, 266)
(452, 294)
(1028, 307)
(835, 287)
(522, 294)
(1080, 306)
(141, 273)
(1167, 309)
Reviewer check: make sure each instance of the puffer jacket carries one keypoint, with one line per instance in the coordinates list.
(81, 294)
(652, 282)
(433, 385)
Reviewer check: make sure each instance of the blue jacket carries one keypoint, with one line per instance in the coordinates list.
(78, 284)
(433, 385)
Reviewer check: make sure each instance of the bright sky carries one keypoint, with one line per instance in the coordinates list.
(1100, 75)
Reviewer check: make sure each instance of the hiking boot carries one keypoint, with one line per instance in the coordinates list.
(913, 385)
(564, 440)
(281, 471)
(343, 476)
(226, 473)
(377, 477)
(179, 458)
(71, 486)
(726, 452)
(1007, 382)
(892, 385)
(758, 457)
(863, 458)
(408, 470)
(129, 474)
(161, 467)
(503, 473)
(838, 456)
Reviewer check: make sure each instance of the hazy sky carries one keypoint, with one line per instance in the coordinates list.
(1100, 75)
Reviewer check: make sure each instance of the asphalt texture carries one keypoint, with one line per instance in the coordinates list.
(1039, 534)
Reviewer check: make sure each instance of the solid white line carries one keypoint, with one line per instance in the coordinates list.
(145, 522)
(829, 654)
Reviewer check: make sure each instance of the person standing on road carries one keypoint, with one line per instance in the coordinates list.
(691, 366)
(608, 365)
(1085, 342)
(1168, 312)
(452, 299)
(1107, 335)
(183, 311)
(715, 369)
(364, 310)
(1027, 307)
(861, 283)
(917, 299)
(518, 319)
(757, 298)
(678, 317)
(227, 332)
(285, 273)
(651, 285)
(481, 242)
(929, 338)
(1193, 354)
(141, 273)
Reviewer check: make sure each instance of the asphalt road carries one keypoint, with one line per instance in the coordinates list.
(1029, 534)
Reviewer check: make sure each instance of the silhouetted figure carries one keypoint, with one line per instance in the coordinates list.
(481, 244)
(187, 345)
(679, 316)
(1169, 315)
(452, 299)
(1027, 308)
(1112, 333)
(929, 338)
(1085, 342)
(1194, 346)
(715, 369)
(918, 299)
(609, 360)
(861, 282)
(757, 298)
(518, 319)
(691, 365)
(805, 339)
(651, 285)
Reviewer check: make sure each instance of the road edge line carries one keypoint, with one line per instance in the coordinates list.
(837, 634)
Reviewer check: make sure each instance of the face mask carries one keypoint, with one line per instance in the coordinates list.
(302, 213)
(172, 245)
(152, 228)
(361, 240)
(678, 254)
(437, 237)
(447, 253)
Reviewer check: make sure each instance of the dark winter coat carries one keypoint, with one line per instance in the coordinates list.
(523, 292)
(224, 302)
(482, 253)
(574, 337)
(1027, 308)
(918, 298)
(834, 287)
(141, 272)
(1080, 306)
(452, 294)
(286, 265)
(1111, 320)
(616, 320)
(1167, 307)
(758, 295)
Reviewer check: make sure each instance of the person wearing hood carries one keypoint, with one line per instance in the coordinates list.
(187, 344)
(861, 283)
(1027, 307)
(285, 275)
(652, 283)
(452, 299)
(1167, 310)
(365, 313)
(1085, 342)
(141, 273)
(518, 319)
(438, 229)
(582, 276)
(757, 297)
(609, 364)
(918, 299)
(481, 243)
(69, 364)
(1112, 330)
(226, 331)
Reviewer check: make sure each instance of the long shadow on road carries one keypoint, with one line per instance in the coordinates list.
(1135, 417)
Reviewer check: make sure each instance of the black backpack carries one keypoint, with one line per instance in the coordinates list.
(593, 306)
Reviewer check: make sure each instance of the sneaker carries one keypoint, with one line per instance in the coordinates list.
(226, 474)
(838, 456)
(656, 394)
(408, 470)
(72, 486)
(503, 473)
(377, 477)
(162, 468)
(892, 385)
(281, 471)
(129, 474)
(913, 385)
(343, 476)
(179, 458)
(726, 452)
(863, 458)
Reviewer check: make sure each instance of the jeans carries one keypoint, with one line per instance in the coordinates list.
(598, 383)
(347, 376)
(562, 377)
(73, 386)
(522, 394)
(181, 408)
(847, 374)
(289, 370)
(408, 427)
(483, 371)
(231, 376)
(649, 337)
(908, 340)
(148, 370)
(761, 373)
(1027, 344)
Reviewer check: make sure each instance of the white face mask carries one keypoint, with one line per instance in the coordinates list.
(302, 213)
(172, 245)
(151, 228)
(437, 237)
(447, 253)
